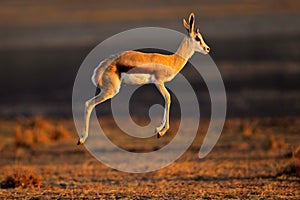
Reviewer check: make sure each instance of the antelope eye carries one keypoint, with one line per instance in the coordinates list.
(197, 38)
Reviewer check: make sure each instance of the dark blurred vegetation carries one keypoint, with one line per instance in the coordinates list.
(254, 43)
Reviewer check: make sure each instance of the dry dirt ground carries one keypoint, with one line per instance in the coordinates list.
(254, 159)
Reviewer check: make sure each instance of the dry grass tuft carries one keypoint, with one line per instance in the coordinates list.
(250, 127)
(60, 133)
(21, 178)
(23, 138)
(39, 130)
(291, 169)
(294, 153)
(275, 143)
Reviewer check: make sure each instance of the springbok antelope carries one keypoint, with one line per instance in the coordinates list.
(133, 67)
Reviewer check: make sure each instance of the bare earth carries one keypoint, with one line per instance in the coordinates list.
(252, 160)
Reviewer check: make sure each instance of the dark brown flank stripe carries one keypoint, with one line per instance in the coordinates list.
(132, 70)
(124, 68)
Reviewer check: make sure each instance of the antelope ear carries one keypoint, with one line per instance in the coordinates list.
(192, 21)
(198, 30)
(186, 25)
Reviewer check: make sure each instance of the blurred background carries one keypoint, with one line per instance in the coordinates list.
(255, 45)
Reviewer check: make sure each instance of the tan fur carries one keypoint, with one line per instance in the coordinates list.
(134, 67)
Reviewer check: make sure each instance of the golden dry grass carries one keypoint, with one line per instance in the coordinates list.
(23, 178)
(39, 130)
(292, 168)
(239, 167)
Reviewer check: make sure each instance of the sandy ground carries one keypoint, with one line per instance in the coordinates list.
(250, 161)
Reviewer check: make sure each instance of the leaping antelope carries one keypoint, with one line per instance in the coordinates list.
(133, 67)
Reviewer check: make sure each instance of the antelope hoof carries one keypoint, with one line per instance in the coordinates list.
(79, 142)
(158, 133)
(161, 132)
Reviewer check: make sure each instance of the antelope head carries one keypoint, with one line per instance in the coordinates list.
(196, 38)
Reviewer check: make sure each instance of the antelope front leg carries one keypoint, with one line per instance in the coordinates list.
(164, 127)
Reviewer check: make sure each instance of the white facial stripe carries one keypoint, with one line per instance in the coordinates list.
(203, 43)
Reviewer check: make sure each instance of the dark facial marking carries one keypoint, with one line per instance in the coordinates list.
(198, 39)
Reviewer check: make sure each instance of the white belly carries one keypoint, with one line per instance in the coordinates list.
(137, 79)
